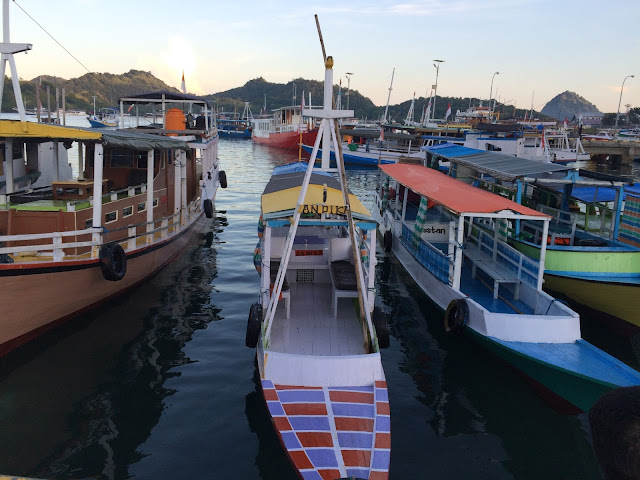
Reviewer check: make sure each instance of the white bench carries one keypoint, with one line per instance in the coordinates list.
(488, 265)
(340, 293)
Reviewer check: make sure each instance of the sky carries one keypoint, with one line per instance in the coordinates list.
(540, 48)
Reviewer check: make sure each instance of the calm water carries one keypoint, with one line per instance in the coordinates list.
(158, 384)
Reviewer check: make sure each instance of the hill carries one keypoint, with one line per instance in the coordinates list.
(568, 104)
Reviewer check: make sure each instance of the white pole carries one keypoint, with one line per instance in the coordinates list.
(457, 266)
(150, 189)
(543, 253)
(8, 161)
(98, 158)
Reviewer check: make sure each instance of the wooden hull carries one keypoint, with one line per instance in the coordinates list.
(58, 291)
(287, 140)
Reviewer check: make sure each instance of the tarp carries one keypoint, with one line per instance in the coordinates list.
(168, 96)
(455, 195)
(499, 165)
(600, 194)
(140, 141)
(282, 191)
(46, 132)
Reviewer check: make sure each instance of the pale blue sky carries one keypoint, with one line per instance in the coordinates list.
(545, 46)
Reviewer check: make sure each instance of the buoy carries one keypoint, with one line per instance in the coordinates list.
(253, 325)
(113, 261)
(456, 315)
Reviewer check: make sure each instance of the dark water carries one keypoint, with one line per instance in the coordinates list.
(158, 384)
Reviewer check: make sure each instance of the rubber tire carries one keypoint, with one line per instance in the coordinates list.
(387, 241)
(113, 261)
(208, 208)
(382, 327)
(253, 325)
(222, 178)
(456, 316)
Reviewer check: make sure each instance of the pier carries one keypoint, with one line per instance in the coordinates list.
(616, 152)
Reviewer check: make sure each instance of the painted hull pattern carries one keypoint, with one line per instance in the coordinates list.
(333, 432)
(68, 288)
(286, 140)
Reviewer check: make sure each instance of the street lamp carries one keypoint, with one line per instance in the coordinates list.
(621, 88)
(348, 74)
(435, 92)
(491, 94)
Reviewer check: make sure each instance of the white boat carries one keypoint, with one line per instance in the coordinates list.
(319, 339)
(105, 117)
(435, 225)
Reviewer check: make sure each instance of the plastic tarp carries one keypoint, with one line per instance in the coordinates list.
(456, 196)
(140, 141)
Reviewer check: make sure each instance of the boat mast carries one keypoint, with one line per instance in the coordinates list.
(8, 49)
(386, 109)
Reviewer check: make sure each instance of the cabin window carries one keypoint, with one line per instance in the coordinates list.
(88, 223)
(127, 211)
(122, 158)
(111, 217)
(142, 160)
(142, 206)
(155, 202)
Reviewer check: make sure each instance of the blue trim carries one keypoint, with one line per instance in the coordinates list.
(350, 159)
(326, 223)
(601, 277)
(618, 210)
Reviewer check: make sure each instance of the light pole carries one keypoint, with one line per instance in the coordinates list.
(491, 94)
(348, 74)
(294, 93)
(621, 88)
(435, 90)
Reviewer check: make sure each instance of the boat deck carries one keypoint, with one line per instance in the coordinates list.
(311, 328)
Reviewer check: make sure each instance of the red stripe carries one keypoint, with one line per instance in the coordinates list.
(300, 460)
(305, 409)
(329, 474)
(383, 440)
(354, 424)
(379, 476)
(382, 408)
(270, 394)
(293, 387)
(282, 424)
(356, 458)
(381, 384)
(351, 397)
(315, 439)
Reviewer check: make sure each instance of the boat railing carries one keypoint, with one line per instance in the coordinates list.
(431, 258)
(504, 255)
(597, 218)
(562, 228)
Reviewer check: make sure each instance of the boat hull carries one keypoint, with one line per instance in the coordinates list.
(352, 159)
(286, 140)
(235, 133)
(66, 289)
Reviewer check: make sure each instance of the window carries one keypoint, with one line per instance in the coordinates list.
(111, 217)
(155, 202)
(122, 158)
(127, 211)
(142, 160)
(88, 223)
(142, 206)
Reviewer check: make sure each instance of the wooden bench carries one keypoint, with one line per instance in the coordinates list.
(343, 281)
(488, 265)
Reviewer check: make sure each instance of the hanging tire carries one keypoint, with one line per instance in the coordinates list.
(387, 241)
(222, 178)
(113, 261)
(253, 325)
(382, 327)
(456, 316)
(208, 208)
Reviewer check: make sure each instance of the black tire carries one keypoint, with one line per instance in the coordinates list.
(590, 242)
(208, 208)
(113, 261)
(387, 241)
(222, 178)
(253, 325)
(382, 327)
(456, 316)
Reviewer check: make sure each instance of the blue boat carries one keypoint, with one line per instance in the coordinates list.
(231, 128)
(359, 158)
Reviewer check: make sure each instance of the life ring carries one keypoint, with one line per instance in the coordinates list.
(113, 261)
(456, 316)
(208, 208)
(253, 325)
(257, 258)
(382, 327)
(387, 241)
(222, 178)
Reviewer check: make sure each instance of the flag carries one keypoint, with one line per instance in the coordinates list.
(130, 107)
(302, 103)
(183, 87)
(427, 115)
(448, 111)
(565, 123)
(381, 134)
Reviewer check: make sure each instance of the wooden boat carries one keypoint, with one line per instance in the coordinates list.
(360, 157)
(318, 350)
(434, 224)
(285, 128)
(71, 252)
(593, 256)
(232, 126)
(105, 117)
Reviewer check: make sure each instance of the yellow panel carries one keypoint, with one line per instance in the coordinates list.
(17, 129)
(284, 200)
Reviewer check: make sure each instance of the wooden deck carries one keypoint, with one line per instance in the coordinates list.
(312, 330)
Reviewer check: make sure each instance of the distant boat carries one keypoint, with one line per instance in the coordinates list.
(233, 128)
(106, 117)
(360, 157)
(283, 129)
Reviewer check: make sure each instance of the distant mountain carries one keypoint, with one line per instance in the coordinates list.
(568, 104)
(79, 92)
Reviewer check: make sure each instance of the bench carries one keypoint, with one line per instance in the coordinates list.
(285, 293)
(344, 282)
(488, 265)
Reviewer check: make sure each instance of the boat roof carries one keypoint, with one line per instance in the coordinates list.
(280, 196)
(455, 195)
(157, 96)
(499, 165)
(42, 132)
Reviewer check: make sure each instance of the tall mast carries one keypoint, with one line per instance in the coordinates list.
(386, 109)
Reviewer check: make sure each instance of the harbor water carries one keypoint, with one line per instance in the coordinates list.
(157, 384)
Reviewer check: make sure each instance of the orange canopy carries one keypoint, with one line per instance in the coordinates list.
(455, 195)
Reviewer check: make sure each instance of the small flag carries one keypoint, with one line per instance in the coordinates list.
(565, 123)
(381, 134)
(184, 85)
(448, 111)
(130, 107)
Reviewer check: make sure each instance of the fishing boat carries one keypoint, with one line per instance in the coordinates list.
(319, 339)
(138, 201)
(593, 253)
(232, 126)
(359, 157)
(435, 225)
(105, 117)
(284, 128)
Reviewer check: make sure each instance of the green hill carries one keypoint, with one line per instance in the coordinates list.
(568, 104)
